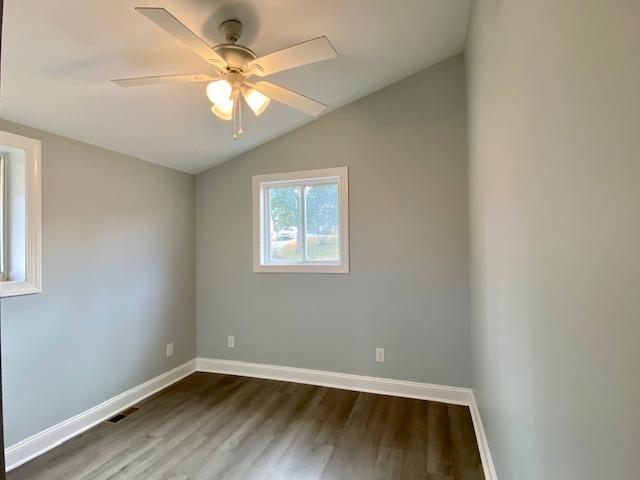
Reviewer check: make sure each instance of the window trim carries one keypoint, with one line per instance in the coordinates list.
(3, 217)
(33, 234)
(260, 185)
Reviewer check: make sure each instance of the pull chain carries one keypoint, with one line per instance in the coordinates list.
(240, 131)
(234, 118)
(237, 116)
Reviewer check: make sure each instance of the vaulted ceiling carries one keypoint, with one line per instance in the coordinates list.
(58, 57)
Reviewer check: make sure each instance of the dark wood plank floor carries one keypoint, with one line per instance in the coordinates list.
(211, 426)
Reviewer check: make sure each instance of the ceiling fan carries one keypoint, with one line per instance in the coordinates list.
(235, 64)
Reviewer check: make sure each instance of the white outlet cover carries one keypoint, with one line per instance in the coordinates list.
(380, 355)
(169, 349)
(231, 341)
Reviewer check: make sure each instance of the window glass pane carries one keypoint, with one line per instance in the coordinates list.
(321, 222)
(284, 224)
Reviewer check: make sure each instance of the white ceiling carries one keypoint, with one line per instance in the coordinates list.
(58, 57)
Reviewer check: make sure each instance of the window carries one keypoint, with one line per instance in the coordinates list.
(300, 222)
(19, 215)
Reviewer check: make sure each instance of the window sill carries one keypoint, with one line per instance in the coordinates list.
(259, 268)
(14, 289)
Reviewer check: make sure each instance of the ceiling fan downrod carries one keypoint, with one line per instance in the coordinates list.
(232, 29)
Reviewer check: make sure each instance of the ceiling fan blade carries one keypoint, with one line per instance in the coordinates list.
(290, 98)
(304, 53)
(175, 27)
(140, 81)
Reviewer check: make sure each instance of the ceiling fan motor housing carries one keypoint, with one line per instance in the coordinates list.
(236, 56)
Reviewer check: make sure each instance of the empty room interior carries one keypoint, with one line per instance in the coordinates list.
(320, 240)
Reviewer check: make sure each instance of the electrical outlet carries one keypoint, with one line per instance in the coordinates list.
(231, 341)
(169, 349)
(380, 355)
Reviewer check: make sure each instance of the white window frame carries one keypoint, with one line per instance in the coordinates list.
(33, 234)
(3, 217)
(261, 184)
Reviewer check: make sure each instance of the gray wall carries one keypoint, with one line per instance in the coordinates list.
(555, 175)
(118, 285)
(405, 147)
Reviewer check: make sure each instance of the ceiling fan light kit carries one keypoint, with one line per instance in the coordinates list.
(234, 65)
(256, 101)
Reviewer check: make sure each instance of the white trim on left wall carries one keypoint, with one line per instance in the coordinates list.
(41, 442)
(32, 283)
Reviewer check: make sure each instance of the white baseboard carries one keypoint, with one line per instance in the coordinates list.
(483, 444)
(41, 442)
(345, 381)
(384, 386)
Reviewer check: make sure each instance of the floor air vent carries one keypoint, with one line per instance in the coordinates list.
(124, 414)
